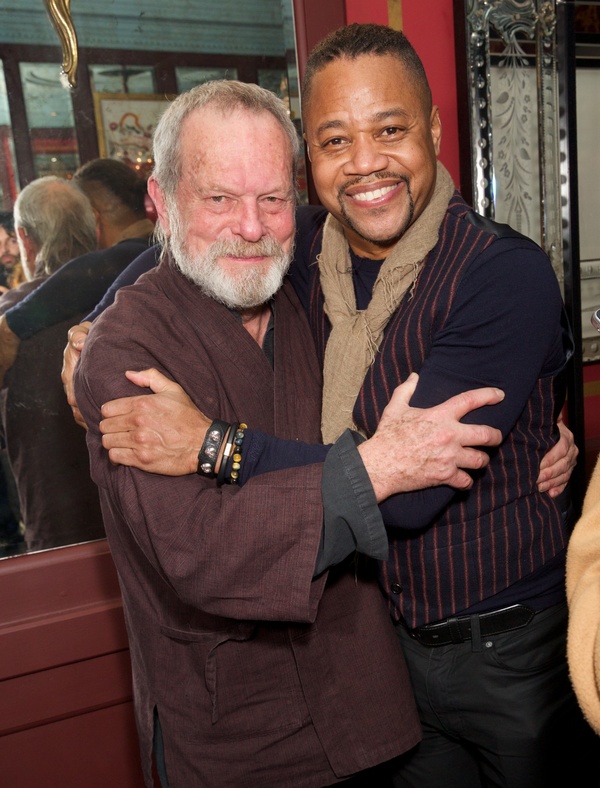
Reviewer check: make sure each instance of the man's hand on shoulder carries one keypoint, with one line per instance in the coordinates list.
(77, 336)
(415, 448)
(162, 433)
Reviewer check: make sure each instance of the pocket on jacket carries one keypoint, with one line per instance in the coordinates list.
(251, 678)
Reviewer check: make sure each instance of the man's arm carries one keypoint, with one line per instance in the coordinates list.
(412, 448)
(557, 466)
(73, 289)
(163, 434)
(144, 262)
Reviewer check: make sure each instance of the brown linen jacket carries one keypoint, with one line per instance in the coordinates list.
(261, 676)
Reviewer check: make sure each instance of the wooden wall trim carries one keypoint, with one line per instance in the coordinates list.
(65, 672)
(55, 581)
(63, 692)
(59, 607)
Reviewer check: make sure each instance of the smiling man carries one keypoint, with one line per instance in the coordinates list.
(374, 156)
(399, 275)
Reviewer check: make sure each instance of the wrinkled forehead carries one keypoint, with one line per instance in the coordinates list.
(216, 126)
(238, 143)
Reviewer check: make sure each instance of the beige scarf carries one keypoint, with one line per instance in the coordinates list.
(356, 335)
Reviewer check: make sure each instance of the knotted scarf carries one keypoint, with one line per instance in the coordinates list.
(356, 334)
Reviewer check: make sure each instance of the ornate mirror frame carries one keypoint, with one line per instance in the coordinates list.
(516, 87)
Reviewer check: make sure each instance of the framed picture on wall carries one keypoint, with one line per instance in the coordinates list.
(125, 123)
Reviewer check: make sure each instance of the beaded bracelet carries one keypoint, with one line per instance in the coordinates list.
(211, 447)
(237, 456)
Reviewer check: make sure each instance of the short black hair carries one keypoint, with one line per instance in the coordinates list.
(7, 220)
(119, 179)
(355, 40)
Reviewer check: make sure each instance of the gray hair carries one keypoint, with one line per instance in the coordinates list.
(59, 219)
(226, 95)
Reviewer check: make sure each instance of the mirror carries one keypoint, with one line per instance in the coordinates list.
(513, 100)
(520, 80)
(131, 57)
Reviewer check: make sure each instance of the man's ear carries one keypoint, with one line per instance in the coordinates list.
(29, 244)
(98, 218)
(158, 199)
(436, 129)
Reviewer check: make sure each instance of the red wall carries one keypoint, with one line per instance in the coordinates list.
(367, 11)
(430, 28)
(66, 715)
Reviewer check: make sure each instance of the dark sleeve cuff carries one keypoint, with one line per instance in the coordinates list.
(351, 517)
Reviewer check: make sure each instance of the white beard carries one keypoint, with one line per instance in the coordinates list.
(252, 286)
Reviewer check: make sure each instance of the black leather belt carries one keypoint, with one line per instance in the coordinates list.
(459, 628)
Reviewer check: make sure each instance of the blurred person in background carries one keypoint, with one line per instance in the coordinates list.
(118, 197)
(54, 223)
(11, 269)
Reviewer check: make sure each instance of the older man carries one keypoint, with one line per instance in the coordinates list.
(54, 222)
(399, 275)
(117, 194)
(248, 670)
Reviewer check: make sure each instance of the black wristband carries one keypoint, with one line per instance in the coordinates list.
(209, 453)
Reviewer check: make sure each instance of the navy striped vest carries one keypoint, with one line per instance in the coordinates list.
(501, 530)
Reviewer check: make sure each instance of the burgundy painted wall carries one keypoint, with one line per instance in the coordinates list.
(66, 715)
(430, 29)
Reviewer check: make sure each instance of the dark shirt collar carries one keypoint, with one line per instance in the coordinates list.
(268, 345)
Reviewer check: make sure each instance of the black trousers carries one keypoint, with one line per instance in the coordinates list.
(499, 711)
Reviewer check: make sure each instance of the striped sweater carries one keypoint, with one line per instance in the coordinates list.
(486, 310)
